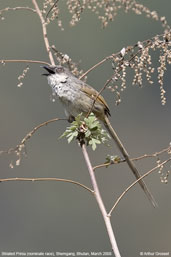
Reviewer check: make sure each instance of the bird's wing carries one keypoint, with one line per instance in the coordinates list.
(94, 95)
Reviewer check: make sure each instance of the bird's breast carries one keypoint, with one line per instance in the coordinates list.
(62, 88)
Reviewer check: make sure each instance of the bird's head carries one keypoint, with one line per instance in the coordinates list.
(56, 69)
(56, 74)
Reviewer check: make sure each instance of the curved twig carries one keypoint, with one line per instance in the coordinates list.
(17, 8)
(133, 159)
(3, 61)
(135, 182)
(48, 179)
(29, 135)
(96, 65)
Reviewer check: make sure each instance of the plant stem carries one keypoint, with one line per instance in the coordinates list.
(99, 200)
(44, 30)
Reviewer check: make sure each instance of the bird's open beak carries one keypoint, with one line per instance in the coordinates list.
(50, 69)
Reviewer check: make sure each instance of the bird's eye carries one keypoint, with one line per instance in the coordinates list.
(59, 69)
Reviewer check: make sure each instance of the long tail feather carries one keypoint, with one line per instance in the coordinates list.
(128, 160)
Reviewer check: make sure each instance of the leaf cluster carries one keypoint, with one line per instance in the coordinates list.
(87, 129)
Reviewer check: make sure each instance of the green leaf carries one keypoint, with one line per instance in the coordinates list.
(113, 159)
(90, 128)
(71, 136)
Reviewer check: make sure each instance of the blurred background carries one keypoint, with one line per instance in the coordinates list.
(55, 216)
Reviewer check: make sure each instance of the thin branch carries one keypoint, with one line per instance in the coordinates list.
(107, 164)
(147, 41)
(100, 202)
(54, 5)
(119, 67)
(17, 8)
(44, 30)
(135, 182)
(96, 65)
(23, 61)
(48, 179)
(153, 155)
(28, 136)
(133, 159)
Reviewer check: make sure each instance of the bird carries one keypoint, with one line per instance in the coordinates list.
(78, 97)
